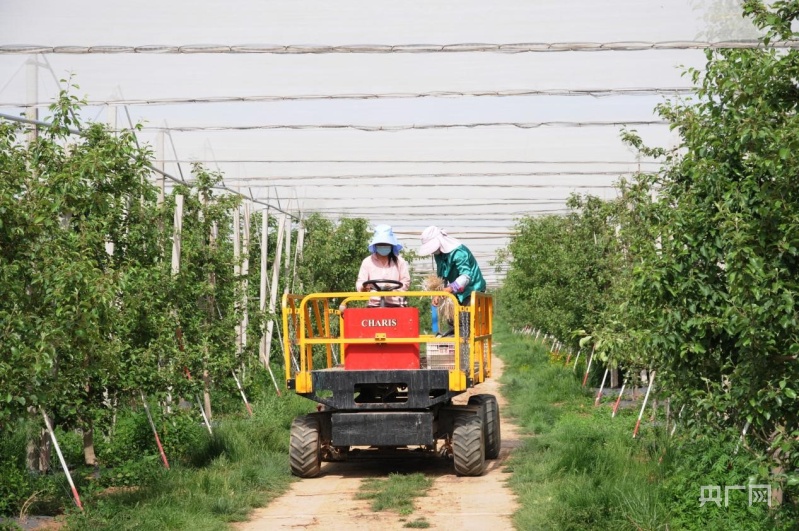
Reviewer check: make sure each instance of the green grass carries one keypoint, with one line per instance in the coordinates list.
(243, 466)
(581, 470)
(419, 523)
(395, 493)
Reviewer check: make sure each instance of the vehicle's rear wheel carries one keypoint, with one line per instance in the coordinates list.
(468, 445)
(492, 429)
(305, 451)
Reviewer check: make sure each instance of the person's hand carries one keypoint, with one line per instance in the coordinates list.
(435, 301)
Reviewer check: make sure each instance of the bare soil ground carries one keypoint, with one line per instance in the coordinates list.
(453, 503)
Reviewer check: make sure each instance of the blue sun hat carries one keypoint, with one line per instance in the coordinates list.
(385, 235)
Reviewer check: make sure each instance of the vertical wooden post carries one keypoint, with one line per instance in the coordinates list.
(245, 270)
(205, 407)
(298, 254)
(270, 326)
(176, 235)
(237, 267)
(177, 230)
(38, 447)
(159, 164)
(262, 293)
(287, 258)
(32, 112)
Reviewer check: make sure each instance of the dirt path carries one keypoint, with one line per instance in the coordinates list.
(454, 503)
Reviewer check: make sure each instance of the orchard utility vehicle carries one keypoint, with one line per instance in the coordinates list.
(382, 387)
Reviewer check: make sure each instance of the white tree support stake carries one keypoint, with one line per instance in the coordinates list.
(602, 386)
(588, 367)
(579, 351)
(679, 415)
(618, 400)
(743, 434)
(643, 406)
(61, 458)
(270, 326)
(241, 391)
(155, 432)
(266, 336)
(205, 417)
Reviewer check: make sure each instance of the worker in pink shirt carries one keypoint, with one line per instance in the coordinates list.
(384, 263)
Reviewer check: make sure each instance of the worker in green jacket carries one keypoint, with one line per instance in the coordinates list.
(455, 263)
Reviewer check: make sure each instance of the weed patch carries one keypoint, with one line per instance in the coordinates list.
(395, 493)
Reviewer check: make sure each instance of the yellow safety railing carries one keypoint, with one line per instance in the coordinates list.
(307, 323)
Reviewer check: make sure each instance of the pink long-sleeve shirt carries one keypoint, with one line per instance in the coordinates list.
(372, 269)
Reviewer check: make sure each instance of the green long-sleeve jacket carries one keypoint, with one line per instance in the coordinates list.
(459, 262)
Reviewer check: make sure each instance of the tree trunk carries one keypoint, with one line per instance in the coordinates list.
(207, 394)
(88, 445)
(37, 455)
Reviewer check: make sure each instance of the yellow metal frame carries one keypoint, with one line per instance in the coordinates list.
(306, 322)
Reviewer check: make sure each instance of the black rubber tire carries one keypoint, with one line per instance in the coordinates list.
(305, 453)
(468, 445)
(492, 425)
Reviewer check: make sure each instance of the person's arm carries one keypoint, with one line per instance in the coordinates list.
(363, 274)
(404, 274)
(462, 264)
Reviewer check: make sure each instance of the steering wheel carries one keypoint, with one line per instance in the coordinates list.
(392, 284)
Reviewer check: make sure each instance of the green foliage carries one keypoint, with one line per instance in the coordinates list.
(721, 292)
(215, 481)
(91, 314)
(693, 270)
(333, 253)
(584, 471)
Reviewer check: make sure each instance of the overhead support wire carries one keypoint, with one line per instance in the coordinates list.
(431, 185)
(301, 49)
(78, 132)
(408, 127)
(273, 178)
(592, 92)
(425, 161)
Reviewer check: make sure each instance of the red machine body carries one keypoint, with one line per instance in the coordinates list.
(365, 323)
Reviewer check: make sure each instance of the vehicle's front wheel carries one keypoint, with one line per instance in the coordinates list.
(305, 453)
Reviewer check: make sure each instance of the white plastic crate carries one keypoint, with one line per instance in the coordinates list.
(442, 356)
